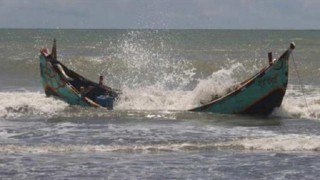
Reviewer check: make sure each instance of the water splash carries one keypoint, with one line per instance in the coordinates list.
(153, 76)
(142, 58)
(157, 97)
(294, 105)
(217, 84)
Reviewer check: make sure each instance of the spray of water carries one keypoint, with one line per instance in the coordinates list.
(140, 61)
(294, 106)
(153, 76)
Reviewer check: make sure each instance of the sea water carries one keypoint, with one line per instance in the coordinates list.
(150, 134)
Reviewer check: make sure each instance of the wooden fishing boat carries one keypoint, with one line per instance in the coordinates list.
(258, 95)
(65, 84)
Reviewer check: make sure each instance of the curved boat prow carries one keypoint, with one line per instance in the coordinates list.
(292, 46)
(59, 81)
(259, 94)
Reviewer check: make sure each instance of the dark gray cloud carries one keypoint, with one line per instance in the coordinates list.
(212, 14)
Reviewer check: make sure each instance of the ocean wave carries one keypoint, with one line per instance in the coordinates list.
(290, 142)
(60, 148)
(281, 143)
(300, 104)
(14, 105)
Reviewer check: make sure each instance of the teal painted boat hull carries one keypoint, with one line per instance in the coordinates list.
(258, 95)
(55, 84)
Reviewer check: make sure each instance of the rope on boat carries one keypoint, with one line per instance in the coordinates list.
(301, 85)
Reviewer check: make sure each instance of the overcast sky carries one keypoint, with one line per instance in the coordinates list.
(161, 14)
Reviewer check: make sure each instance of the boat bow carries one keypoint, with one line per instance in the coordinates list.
(259, 94)
(65, 84)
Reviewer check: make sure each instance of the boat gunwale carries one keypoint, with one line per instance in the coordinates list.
(243, 85)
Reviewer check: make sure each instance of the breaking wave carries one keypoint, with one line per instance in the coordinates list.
(291, 142)
(281, 143)
(300, 104)
(14, 105)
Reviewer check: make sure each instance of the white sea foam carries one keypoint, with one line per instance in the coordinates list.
(290, 142)
(215, 85)
(300, 105)
(280, 143)
(21, 104)
(60, 148)
(17, 104)
(157, 96)
(153, 98)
